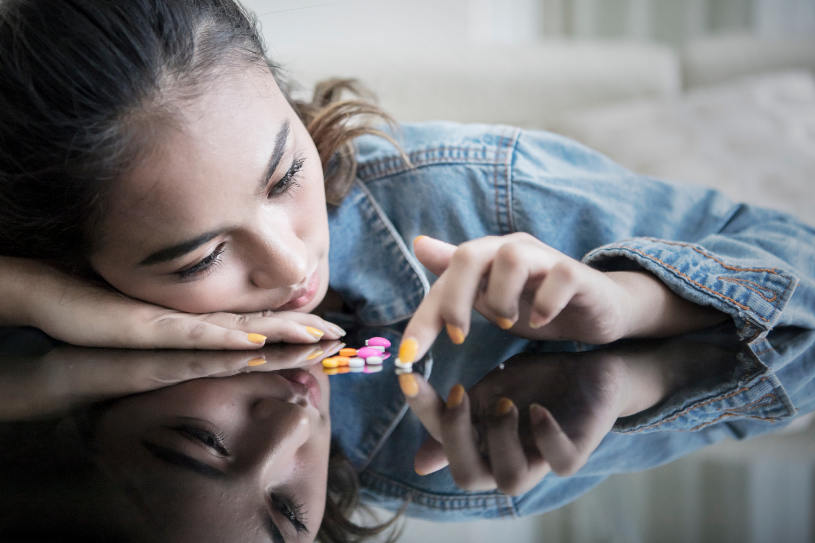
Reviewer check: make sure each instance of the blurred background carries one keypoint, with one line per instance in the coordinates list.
(712, 92)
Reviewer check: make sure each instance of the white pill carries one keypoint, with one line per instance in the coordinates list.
(356, 362)
(372, 369)
(400, 371)
(356, 369)
(404, 365)
(375, 360)
(379, 348)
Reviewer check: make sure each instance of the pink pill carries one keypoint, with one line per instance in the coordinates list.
(385, 355)
(378, 341)
(365, 352)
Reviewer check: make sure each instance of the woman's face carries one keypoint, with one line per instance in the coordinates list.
(228, 213)
(242, 458)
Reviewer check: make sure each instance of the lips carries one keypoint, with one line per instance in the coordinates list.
(303, 295)
(308, 384)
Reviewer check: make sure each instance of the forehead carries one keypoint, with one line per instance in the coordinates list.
(218, 141)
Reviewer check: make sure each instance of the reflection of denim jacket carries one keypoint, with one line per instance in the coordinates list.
(470, 181)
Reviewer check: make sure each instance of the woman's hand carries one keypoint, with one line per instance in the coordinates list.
(541, 413)
(537, 292)
(93, 315)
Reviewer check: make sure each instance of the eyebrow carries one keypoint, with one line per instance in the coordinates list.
(176, 458)
(179, 249)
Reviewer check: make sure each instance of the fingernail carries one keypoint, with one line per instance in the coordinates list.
(455, 397)
(314, 331)
(505, 323)
(417, 470)
(407, 350)
(314, 354)
(408, 384)
(339, 331)
(536, 320)
(456, 334)
(417, 238)
(256, 362)
(535, 413)
(258, 339)
(503, 406)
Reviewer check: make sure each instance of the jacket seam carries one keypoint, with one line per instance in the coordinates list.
(393, 164)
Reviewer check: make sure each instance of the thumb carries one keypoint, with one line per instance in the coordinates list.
(430, 457)
(433, 253)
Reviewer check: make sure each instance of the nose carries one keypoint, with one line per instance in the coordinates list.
(281, 428)
(278, 259)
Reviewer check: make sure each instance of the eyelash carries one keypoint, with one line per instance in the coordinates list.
(287, 183)
(292, 510)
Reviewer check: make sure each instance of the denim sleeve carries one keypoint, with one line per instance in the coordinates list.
(754, 264)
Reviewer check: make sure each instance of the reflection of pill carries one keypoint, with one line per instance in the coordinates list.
(342, 360)
(330, 362)
(348, 351)
(365, 352)
(357, 369)
(346, 369)
(372, 369)
(378, 342)
(330, 371)
(375, 360)
(385, 356)
(400, 371)
(404, 365)
(356, 362)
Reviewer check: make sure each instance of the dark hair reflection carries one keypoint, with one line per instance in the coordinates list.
(241, 458)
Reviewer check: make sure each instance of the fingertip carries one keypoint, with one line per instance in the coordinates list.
(409, 385)
(417, 238)
(455, 333)
(537, 414)
(408, 349)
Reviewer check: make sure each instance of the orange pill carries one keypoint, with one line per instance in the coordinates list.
(348, 351)
(342, 360)
(330, 371)
(346, 369)
(330, 362)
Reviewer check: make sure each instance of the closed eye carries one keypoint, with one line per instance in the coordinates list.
(289, 179)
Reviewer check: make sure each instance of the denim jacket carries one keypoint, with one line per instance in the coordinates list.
(469, 181)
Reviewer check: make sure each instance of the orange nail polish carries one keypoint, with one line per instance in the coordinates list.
(456, 334)
(407, 350)
(456, 396)
(259, 339)
(408, 384)
(256, 362)
(503, 407)
(505, 323)
(314, 331)
(314, 354)
(417, 238)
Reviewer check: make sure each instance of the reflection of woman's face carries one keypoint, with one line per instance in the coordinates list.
(243, 458)
(228, 213)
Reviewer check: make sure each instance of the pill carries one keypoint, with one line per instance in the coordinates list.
(372, 369)
(404, 365)
(342, 360)
(330, 362)
(385, 356)
(358, 369)
(356, 362)
(400, 371)
(330, 371)
(378, 342)
(365, 352)
(343, 370)
(375, 360)
(379, 348)
(348, 351)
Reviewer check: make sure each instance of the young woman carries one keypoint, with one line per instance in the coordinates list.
(160, 189)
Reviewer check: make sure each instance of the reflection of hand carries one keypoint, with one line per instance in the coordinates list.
(84, 313)
(67, 376)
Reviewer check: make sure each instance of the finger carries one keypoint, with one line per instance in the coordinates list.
(434, 254)
(289, 326)
(430, 457)
(423, 401)
(450, 300)
(514, 265)
(507, 458)
(193, 333)
(287, 355)
(563, 455)
(467, 467)
(554, 293)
